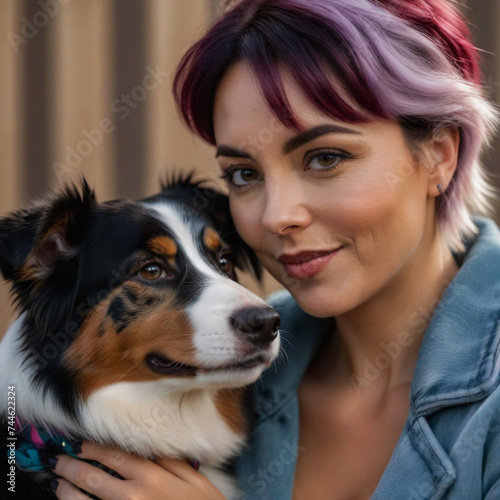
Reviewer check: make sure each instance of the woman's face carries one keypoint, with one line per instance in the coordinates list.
(337, 212)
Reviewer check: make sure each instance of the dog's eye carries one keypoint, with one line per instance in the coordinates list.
(226, 262)
(152, 272)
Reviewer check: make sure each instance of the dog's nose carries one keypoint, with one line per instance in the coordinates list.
(259, 325)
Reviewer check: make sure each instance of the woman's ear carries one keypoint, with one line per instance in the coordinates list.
(441, 158)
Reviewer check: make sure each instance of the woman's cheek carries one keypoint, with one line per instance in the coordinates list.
(247, 222)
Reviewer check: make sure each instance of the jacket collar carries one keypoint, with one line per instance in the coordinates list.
(458, 359)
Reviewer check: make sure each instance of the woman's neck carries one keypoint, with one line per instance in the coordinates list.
(378, 342)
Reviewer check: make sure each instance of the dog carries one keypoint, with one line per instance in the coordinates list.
(133, 330)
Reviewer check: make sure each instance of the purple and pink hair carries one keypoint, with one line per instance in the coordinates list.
(407, 60)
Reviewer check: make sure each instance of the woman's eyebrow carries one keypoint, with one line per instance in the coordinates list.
(313, 133)
(223, 150)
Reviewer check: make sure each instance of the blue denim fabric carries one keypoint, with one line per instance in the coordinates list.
(450, 445)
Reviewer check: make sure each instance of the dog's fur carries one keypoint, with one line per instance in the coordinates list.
(133, 330)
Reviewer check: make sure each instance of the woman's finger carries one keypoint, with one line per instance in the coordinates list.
(179, 468)
(66, 491)
(127, 466)
(87, 477)
(130, 466)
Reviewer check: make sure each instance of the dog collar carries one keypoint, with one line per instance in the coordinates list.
(36, 444)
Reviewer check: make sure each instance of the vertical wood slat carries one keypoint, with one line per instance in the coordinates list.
(82, 92)
(36, 114)
(10, 123)
(129, 71)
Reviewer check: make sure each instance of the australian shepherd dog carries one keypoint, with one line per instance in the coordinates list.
(132, 331)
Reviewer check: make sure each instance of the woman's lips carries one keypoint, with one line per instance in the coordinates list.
(306, 264)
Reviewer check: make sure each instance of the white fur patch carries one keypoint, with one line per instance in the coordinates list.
(162, 421)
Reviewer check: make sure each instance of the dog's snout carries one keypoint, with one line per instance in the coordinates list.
(259, 325)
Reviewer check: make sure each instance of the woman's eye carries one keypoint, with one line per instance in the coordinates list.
(240, 176)
(326, 160)
(152, 272)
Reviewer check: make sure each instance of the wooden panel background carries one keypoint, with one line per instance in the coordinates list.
(74, 99)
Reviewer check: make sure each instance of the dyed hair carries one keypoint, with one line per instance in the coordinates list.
(405, 60)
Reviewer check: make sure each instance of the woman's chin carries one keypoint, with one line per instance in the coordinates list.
(320, 304)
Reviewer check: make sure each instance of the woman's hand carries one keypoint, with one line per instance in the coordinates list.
(143, 479)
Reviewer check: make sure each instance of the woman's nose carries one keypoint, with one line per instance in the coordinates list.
(285, 209)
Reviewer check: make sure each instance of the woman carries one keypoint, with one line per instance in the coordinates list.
(349, 133)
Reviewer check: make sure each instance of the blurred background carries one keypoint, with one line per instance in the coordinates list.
(85, 88)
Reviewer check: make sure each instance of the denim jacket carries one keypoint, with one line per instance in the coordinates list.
(450, 445)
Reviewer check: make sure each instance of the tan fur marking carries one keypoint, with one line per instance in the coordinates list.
(163, 245)
(100, 356)
(229, 405)
(211, 239)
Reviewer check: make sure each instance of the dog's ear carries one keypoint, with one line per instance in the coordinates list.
(33, 241)
(39, 246)
(214, 205)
